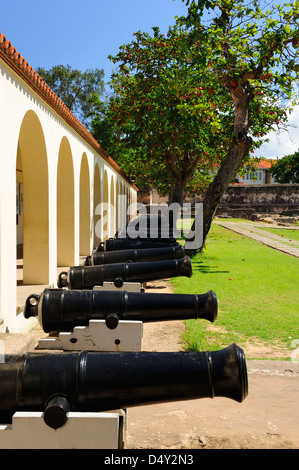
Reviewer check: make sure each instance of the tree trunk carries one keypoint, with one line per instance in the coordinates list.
(176, 196)
(182, 175)
(237, 151)
(177, 192)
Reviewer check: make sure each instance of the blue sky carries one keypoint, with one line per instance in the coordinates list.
(83, 33)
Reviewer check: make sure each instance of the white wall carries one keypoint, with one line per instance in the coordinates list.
(21, 108)
(259, 178)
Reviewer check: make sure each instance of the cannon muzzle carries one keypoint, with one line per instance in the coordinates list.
(62, 309)
(87, 277)
(133, 255)
(113, 244)
(94, 382)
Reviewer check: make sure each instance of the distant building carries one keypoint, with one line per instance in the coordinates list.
(261, 175)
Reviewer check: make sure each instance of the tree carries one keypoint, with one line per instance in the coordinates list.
(241, 58)
(103, 127)
(113, 138)
(286, 170)
(154, 88)
(75, 88)
(251, 48)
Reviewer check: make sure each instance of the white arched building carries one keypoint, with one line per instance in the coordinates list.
(53, 176)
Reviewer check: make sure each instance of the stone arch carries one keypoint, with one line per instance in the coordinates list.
(33, 198)
(84, 208)
(97, 230)
(65, 206)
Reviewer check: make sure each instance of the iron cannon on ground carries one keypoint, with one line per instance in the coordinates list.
(113, 244)
(87, 277)
(156, 227)
(143, 232)
(91, 382)
(62, 309)
(135, 255)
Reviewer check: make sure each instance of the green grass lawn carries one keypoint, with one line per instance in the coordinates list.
(256, 288)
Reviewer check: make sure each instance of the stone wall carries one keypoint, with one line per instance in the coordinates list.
(247, 201)
(144, 196)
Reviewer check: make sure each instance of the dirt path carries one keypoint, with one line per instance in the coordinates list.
(267, 419)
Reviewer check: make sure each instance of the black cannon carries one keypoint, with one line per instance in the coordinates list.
(156, 227)
(113, 244)
(133, 255)
(87, 277)
(62, 309)
(91, 382)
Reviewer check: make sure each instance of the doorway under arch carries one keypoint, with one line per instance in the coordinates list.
(33, 201)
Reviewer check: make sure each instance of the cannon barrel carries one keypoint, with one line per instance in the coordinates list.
(124, 256)
(156, 227)
(113, 244)
(87, 277)
(62, 309)
(55, 383)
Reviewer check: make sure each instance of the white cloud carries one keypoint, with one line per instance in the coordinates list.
(284, 142)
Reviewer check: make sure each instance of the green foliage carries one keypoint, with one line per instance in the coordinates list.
(173, 117)
(256, 288)
(222, 72)
(75, 88)
(286, 170)
(255, 43)
(103, 127)
(114, 139)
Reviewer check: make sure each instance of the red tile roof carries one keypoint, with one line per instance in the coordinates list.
(17, 63)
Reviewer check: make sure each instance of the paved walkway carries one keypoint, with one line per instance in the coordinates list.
(254, 230)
